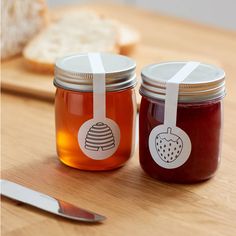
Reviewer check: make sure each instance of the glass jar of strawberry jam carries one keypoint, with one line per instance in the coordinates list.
(180, 138)
(95, 110)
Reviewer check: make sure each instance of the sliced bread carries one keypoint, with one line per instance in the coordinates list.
(78, 32)
(20, 21)
(128, 38)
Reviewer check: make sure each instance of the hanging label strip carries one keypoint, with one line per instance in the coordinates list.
(169, 145)
(172, 92)
(99, 137)
(99, 86)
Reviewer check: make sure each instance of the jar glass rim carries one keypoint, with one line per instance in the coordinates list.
(206, 82)
(74, 72)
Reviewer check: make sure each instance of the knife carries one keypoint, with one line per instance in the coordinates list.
(47, 203)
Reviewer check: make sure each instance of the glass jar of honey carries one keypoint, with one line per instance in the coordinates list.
(95, 110)
(180, 125)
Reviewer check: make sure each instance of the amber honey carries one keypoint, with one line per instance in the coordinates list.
(74, 106)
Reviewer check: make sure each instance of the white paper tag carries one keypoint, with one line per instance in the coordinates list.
(169, 145)
(99, 137)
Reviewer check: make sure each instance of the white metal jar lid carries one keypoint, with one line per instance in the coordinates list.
(74, 72)
(205, 83)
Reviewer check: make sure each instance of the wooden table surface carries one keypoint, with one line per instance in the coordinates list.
(134, 203)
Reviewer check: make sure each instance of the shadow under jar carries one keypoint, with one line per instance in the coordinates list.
(74, 106)
(199, 114)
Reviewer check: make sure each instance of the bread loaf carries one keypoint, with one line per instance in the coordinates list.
(21, 20)
(128, 38)
(78, 32)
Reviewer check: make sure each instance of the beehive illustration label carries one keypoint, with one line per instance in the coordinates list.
(99, 137)
(169, 145)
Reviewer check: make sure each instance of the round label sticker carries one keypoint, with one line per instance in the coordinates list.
(170, 147)
(99, 139)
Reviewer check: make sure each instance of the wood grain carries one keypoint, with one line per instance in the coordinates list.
(134, 203)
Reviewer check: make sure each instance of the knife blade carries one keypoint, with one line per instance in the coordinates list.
(47, 203)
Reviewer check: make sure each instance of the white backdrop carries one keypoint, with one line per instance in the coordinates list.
(220, 13)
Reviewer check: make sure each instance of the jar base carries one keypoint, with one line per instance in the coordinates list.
(179, 181)
(91, 168)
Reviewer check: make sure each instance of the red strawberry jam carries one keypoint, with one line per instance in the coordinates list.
(202, 122)
(199, 116)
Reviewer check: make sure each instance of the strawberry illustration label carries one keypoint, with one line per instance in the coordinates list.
(170, 147)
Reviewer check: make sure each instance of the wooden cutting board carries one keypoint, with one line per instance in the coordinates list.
(16, 77)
